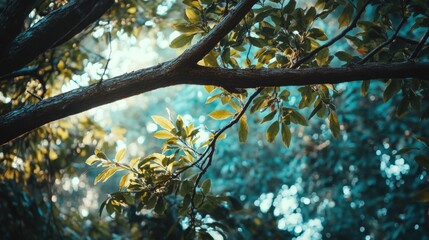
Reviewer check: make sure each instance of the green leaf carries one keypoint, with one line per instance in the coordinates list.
(160, 206)
(422, 196)
(243, 129)
(297, 118)
(318, 34)
(364, 87)
(334, 125)
(205, 186)
(120, 154)
(92, 159)
(406, 150)
(288, 9)
(272, 131)
(151, 201)
(393, 86)
(343, 56)
(286, 135)
(424, 140)
(163, 122)
(315, 110)
(269, 116)
(220, 114)
(346, 16)
(181, 40)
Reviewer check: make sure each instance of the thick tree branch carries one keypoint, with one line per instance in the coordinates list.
(12, 20)
(57, 27)
(22, 120)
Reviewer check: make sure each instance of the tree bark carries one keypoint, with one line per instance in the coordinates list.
(55, 28)
(29, 117)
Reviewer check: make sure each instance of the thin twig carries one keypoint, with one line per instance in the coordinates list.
(333, 40)
(419, 46)
(385, 43)
(109, 38)
(34, 95)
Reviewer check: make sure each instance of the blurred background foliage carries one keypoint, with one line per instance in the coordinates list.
(359, 185)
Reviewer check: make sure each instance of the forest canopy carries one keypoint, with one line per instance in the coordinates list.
(284, 119)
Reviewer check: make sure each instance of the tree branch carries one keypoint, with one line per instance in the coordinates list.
(385, 43)
(334, 39)
(195, 53)
(22, 120)
(12, 20)
(419, 46)
(57, 27)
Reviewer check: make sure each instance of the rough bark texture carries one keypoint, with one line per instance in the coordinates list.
(55, 28)
(65, 22)
(22, 120)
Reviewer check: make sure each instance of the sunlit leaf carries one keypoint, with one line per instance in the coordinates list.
(92, 159)
(120, 154)
(243, 129)
(192, 15)
(209, 89)
(220, 114)
(124, 182)
(134, 161)
(181, 40)
(163, 134)
(163, 122)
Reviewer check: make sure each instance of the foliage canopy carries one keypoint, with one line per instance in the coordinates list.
(274, 71)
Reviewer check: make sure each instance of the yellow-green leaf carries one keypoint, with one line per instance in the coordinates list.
(220, 114)
(92, 159)
(181, 40)
(101, 175)
(163, 122)
(272, 131)
(125, 181)
(120, 154)
(134, 161)
(192, 15)
(286, 135)
(209, 89)
(163, 134)
(346, 16)
(243, 129)
(334, 125)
